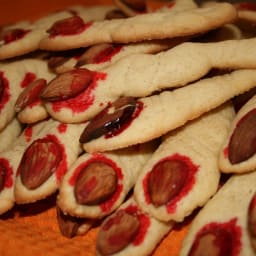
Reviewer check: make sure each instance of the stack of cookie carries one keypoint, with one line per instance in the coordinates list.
(133, 115)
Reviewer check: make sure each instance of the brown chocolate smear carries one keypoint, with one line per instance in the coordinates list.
(110, 119)
(95, 184)
(166, 181)
(242, 144)
(117, 232)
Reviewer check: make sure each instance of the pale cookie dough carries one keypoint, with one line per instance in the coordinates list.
(172, 109)
(9, 134)
(238, 153)
(14, 77)
(9, 161)
(196, 146)
(145, 240)
(67, 147)
(127, 164)
(158, 25)
(226, 214)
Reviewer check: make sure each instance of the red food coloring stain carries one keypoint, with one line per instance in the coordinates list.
(139, 108)
(97, 157)
(29, 78)
(14, 35)
(144, 224)
(8, 182)
(170, 5)
(225, 152)
(107, 54)
(28, 133)
(5, 91)
(62, 128)
(189, 183)
(227, 238)
(247, 6)
(82, 101)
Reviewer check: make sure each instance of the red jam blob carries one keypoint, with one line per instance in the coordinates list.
(12, 35)
(6, 174)
(28, 79)
(183, 181)
(218, 239)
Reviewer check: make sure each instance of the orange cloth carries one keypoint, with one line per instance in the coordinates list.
(32, 229)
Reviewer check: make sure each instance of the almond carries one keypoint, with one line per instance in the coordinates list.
(117, 232)
(30, 94)
(39, 162)
(1, 87)
(67, 85)
(68, 26)
(68, 225)
(109, 119)
(242, 142)
(136, 5)
(115, 14)
(166, 181)
(95, 184)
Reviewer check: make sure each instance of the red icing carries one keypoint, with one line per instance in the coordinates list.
(82, 101)
(28, 132)
(139, 107)
(189, 183)
(225, 152)
(62, 128)
(5, 95)
(29, 78)
(14, 35)
(144, 224)
(106, 206)
(8, 183)
(227, 237)
(247, 6)
(107, 54)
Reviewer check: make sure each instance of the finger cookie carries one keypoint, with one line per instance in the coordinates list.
(157, 25)
(97, 184)
(238, 150)
(169, 110)
(9, 161)
(130, 231)
(140, 75)
(170, 184)
(223, 225)
(45, 161)
(14, 77)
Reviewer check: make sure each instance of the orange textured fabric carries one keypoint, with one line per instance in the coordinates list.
(32, 229)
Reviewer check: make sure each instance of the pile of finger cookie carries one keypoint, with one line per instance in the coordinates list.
(133, 115)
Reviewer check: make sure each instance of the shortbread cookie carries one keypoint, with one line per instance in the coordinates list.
(169, 110)
(45, 161)
(70, 226)
(140, 75)
(130, 231)
(9, 161)
(14, 77)
(9, 134)
(170, 184)
(115, 175)
(238, 151)
(221, 227)
(158, 25)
